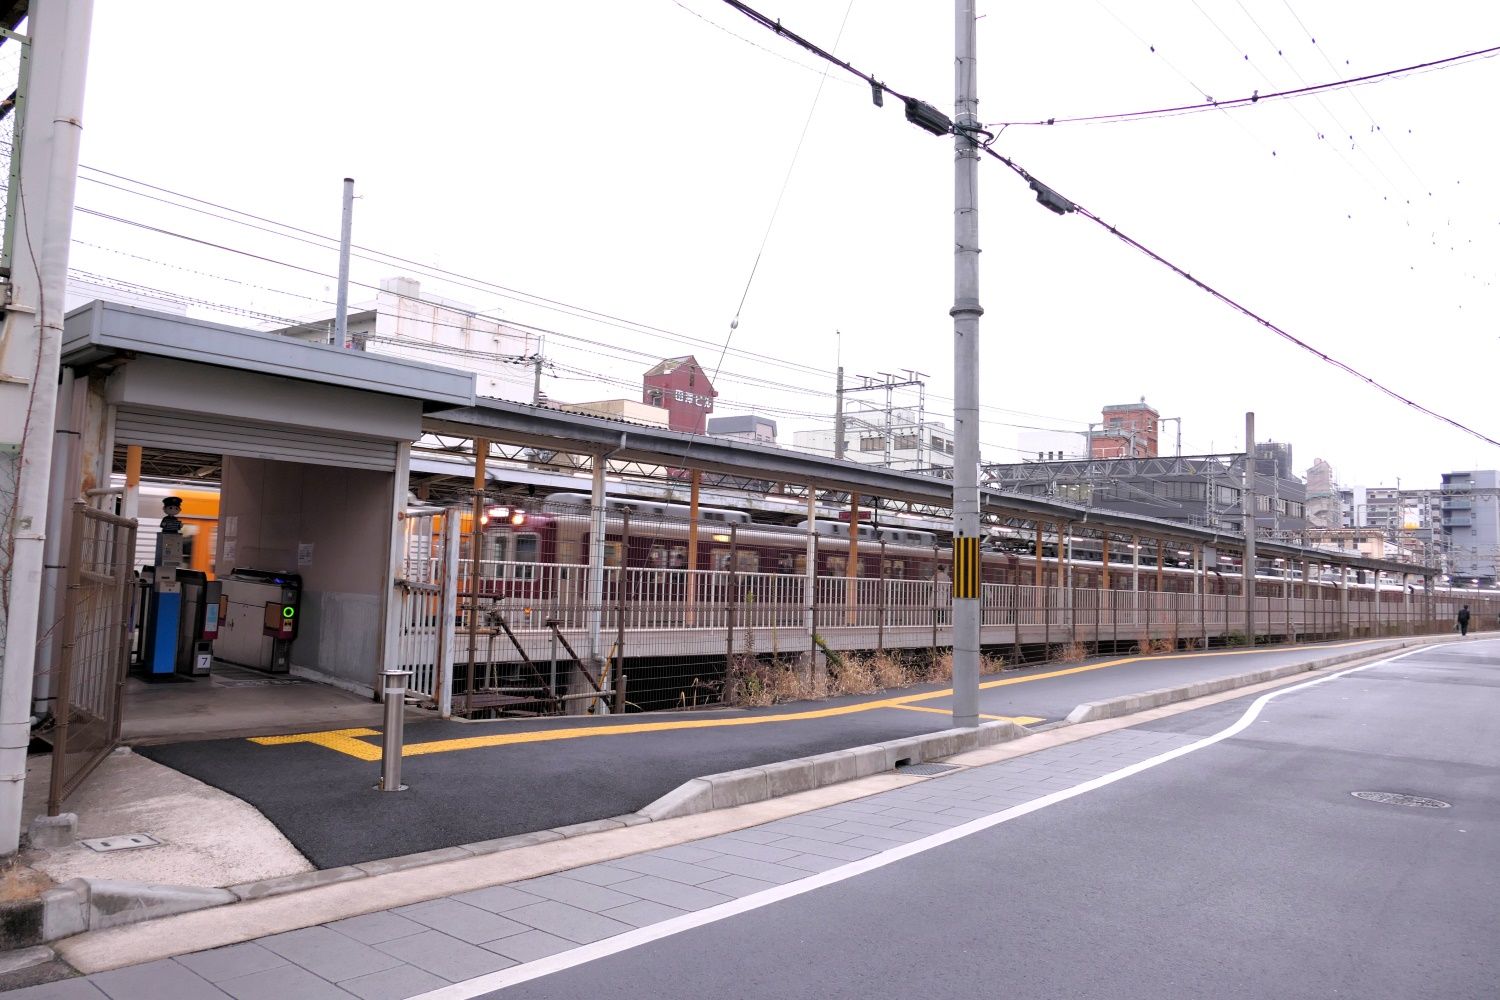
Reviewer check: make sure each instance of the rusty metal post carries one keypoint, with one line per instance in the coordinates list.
(622, 588)
(936, 567)
(691, 616)
(731, 599)
(476, 544)
(851, 566)
(880, 604)
(1038, 567)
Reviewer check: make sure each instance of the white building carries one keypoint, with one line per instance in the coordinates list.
(403, 322)
(899, 438)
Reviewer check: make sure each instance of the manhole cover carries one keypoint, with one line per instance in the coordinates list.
(1400, 799)
(925, 768)
(124, 842)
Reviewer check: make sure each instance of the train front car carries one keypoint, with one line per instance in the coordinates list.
(519, 584)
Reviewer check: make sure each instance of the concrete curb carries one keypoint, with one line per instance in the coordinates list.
(94, 904)
(756, 784)
(1114, 708)
(84, 904)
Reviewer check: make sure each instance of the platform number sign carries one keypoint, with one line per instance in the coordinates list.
(966, 568)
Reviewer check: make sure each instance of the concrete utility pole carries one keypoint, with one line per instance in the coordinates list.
(30, 352)
(1247, 501)
(966, 312)
(838, 416)
(341, 309)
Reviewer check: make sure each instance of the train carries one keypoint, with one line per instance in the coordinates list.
(536, 554)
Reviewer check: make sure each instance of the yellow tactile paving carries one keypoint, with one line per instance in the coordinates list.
(344, 740)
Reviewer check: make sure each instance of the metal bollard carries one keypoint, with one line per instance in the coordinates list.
(393, 690)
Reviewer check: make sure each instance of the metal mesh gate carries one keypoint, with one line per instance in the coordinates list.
(95, 647)
(428, 607)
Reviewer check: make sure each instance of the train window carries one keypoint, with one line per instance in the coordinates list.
(678, 558)
(786, 562)
(496, 548)
(657, 557)
(747, 562)
(612, 553)
(528, 550)
(895, 569)
(720, 560)
(837, 565)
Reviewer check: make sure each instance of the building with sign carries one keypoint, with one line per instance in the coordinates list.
(681, 387)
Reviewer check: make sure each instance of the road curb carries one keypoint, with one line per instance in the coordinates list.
(1114, 708)
(85, 904)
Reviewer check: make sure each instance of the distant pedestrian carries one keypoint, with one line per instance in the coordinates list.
(1463, 620)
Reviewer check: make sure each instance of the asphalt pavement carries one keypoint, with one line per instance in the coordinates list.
(1244, 869)
(324, 801)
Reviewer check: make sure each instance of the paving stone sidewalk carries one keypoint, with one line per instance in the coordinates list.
(400, 953)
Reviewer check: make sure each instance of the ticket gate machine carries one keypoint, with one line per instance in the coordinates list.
(181, 607)
(262, 609)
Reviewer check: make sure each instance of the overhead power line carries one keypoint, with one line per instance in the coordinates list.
(1257, 97)
(1055, 202)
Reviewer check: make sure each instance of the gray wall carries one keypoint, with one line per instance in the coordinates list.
(346, 516)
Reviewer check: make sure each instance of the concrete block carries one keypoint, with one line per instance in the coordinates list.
(111, 903)
(591, 826)
(295, 883)
(408, 861)
(52, 832)
(990, 733)
(65, 910)
(831, 768)
(736, 788)
(792, 776)
(513, 842)
(868, 760)
(912, 749)
(690, 797)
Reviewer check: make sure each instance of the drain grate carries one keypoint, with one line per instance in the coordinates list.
(123, 842)
(925, 768)
(1401, 799)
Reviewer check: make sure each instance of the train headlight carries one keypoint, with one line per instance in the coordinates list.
(518, 518)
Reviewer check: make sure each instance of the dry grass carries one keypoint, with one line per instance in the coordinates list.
(990, 663)
(1073, 652)
(18, 882)
(939, 668)
(1162, 646)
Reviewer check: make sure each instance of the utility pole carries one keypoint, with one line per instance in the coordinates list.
(47, 149)
(536, 380)
(966, 312)
(341, 310)
(1247, 501)
(838, 416)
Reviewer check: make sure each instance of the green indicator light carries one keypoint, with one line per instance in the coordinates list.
(288, 612)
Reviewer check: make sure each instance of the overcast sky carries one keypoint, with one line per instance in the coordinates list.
(626, 157)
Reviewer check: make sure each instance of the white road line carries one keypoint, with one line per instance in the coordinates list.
(655, 932)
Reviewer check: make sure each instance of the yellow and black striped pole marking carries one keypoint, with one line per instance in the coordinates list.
(966, 568)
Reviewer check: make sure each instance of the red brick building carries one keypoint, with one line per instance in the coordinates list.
(1126, 430)
(681, 387)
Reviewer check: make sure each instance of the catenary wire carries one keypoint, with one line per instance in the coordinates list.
(1130, 241)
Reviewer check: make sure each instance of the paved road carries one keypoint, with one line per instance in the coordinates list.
(323, 801)
(1214, 853)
